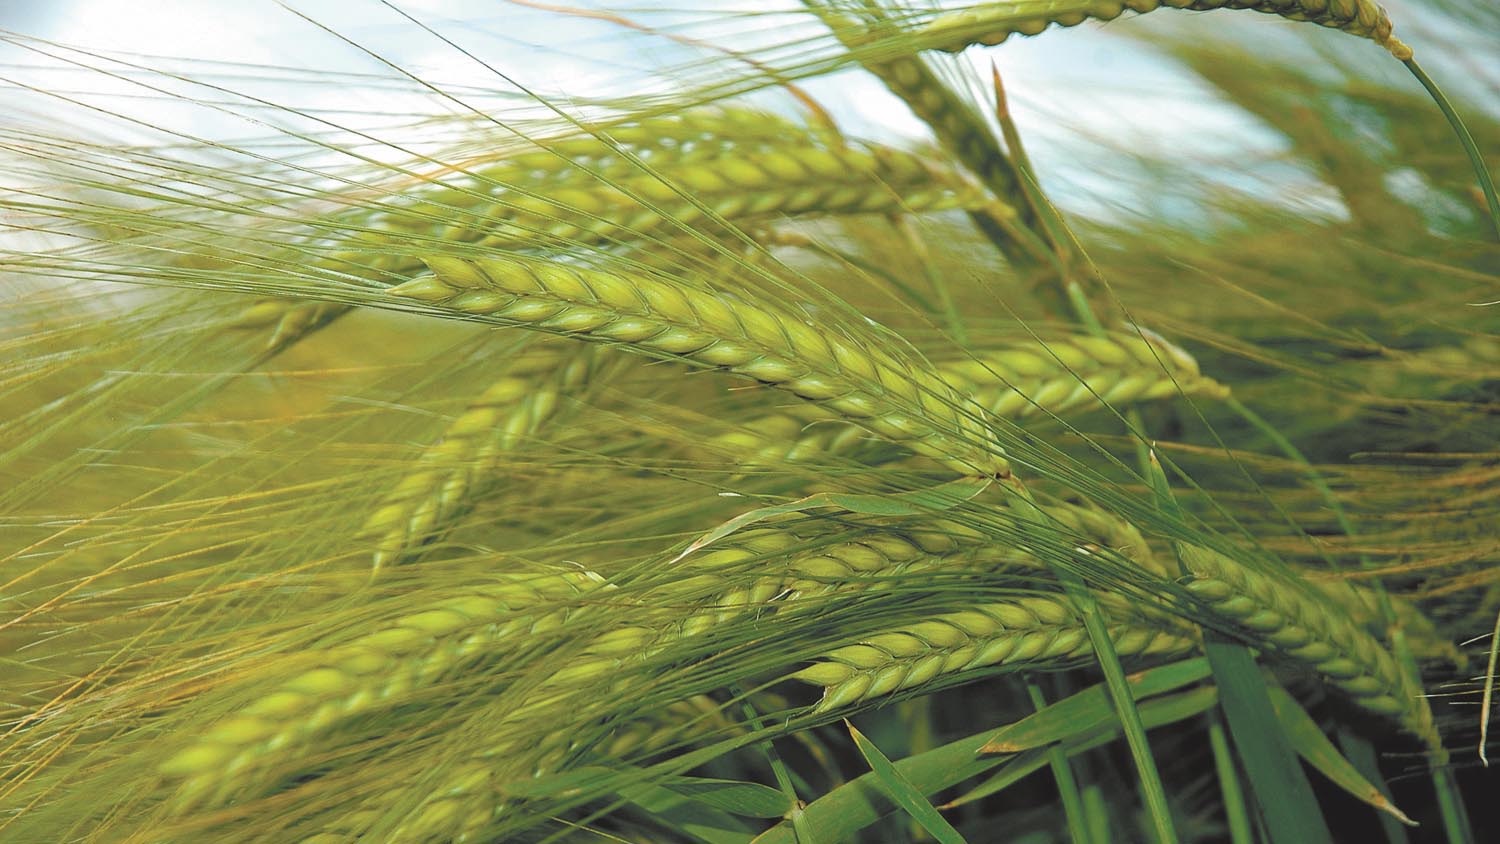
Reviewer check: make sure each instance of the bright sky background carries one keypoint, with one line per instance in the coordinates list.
(1065, 87)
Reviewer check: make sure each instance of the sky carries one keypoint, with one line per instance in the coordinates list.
(1069, 90)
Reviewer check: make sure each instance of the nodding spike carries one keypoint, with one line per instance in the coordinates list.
(991, 23)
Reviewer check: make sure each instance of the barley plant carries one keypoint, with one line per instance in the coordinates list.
(748, 422)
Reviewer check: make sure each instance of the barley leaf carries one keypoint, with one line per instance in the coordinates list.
(1318, 751)
(860, 802)
(1157, 712)
(746, 799)
(1084, 712)
(901, 790)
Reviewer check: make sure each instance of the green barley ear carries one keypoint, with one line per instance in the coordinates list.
(1041, 631)
(454, 471)
(993, 22)
(1022, 382)
(1070, 373)
(376, 670)
(630, 181)
(1312, 631)
(658, 317)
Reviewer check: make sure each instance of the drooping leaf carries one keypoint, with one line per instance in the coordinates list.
(903, 792)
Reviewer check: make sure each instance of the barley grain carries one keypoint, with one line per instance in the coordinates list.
(900, 400)
(1312, 629)
(331, 685)
(1080, 371)
(458, 467)
(992, 23)
(781, 438)
(1023, 631)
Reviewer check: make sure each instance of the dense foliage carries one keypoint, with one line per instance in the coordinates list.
(693, 459)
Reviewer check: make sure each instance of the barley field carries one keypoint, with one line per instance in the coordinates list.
(749, 422)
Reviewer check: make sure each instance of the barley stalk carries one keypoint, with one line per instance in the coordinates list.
(336, 683)
(993, 22)
(456, 469)
(1023, 631)
(1310, 629)
(901, 401)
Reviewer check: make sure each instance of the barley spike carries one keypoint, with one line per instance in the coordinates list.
(1022, 382)
(458, 467)
(901, 401)
(1023, 631)
(1061, 375)
(738, 165)
(993, 22)
(1308, 628)
(339, 682)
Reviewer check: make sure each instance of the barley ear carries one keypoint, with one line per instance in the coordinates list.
(454, 471)
(330, 686)
(1039, 630)
(1311, 629)
(993, 22)
(900, 400)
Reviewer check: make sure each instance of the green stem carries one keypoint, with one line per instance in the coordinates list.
(1085, 313)
(1152, 790)
(1283, 797)
(1097, 814)
(778, 769)
(1471, 149)
(1451, 805)
(1120, 696)
(1450, 800)
(1235, 815)
(1062, 771)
